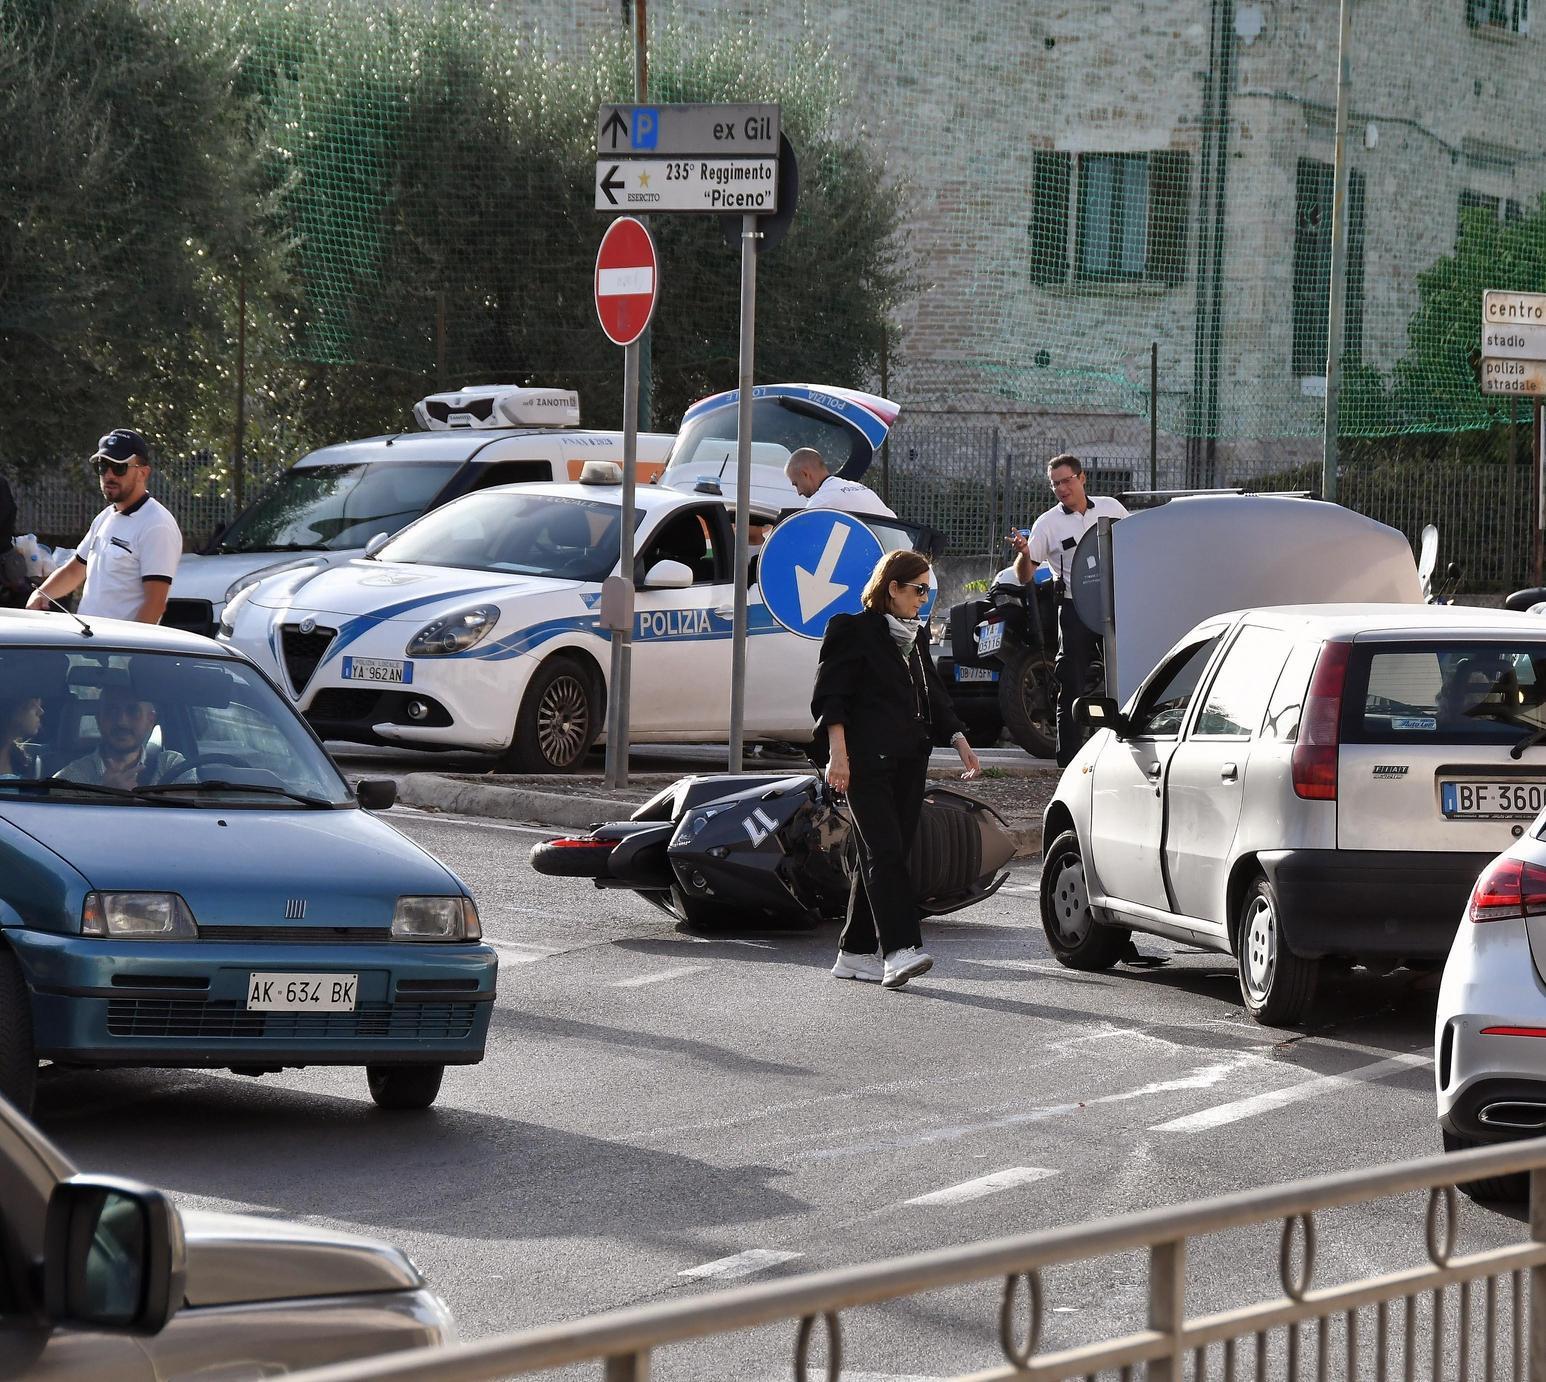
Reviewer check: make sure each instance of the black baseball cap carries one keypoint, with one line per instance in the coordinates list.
(123, 445)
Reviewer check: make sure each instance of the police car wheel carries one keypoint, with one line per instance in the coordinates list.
(558, 721)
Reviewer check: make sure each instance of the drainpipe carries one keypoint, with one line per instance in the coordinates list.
(1226, 68)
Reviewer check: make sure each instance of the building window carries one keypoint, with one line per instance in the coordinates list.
(1128, 222)
(1499, 208)
(1499, 16)
(1312, 267)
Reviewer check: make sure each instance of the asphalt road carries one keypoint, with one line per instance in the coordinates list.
(662, 1112)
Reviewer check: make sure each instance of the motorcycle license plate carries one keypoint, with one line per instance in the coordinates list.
(991, 638)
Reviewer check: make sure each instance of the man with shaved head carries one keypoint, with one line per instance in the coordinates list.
(821, 489)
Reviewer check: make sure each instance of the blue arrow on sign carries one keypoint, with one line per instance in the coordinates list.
(814, 565)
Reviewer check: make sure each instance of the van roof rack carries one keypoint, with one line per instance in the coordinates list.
(497, 405)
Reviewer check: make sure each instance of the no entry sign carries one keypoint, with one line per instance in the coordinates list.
(627, 281)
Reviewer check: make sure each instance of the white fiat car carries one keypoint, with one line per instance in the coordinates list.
(1301, 782)
(479, 627)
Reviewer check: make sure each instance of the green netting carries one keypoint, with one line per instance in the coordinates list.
(1003, 205)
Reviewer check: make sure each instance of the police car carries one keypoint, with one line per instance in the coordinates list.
(479, 627)
(322, 510)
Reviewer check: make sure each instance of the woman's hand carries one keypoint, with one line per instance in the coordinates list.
(969, 760)
(837, 771)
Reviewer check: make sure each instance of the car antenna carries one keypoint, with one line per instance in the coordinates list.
(86, 630)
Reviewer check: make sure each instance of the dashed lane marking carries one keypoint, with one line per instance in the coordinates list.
(984, 1185)
(1030, 965)
(1222, 1114)
(640, 980)
(741, 1264)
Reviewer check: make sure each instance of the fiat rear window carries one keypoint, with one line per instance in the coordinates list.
(1445, 692)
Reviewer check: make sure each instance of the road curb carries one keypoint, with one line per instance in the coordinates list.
(433, 792)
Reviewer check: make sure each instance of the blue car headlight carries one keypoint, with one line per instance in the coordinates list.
(138, 916)
(453, 633)
(436, 919)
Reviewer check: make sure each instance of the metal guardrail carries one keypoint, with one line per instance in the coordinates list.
(1267, 1338)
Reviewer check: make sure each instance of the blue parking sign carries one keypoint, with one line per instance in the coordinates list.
(814, 565)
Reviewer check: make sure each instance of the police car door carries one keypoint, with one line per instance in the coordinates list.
(681, 637)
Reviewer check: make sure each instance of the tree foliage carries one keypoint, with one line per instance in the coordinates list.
(405, 192)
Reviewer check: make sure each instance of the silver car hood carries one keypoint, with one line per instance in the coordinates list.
(237, 1258)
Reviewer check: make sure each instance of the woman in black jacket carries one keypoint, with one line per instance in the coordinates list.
(879, 708)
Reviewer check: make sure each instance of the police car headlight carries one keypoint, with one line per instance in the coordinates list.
(232, 611)
(138, 916)
(436, 919)
(246, 582)
(454, 633)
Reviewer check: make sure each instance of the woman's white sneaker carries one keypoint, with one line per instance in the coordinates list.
(905, 964)
(870, 968)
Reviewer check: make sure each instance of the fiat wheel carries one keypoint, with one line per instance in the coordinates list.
(1275, 984)
(1077, 939)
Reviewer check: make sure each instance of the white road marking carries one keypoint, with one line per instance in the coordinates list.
(521, 952)
(640, 980)
(1204, 1077)
(1222, 1114)
(1015, 964)
(742, 1264)
(1031, 891)
(984, 1185)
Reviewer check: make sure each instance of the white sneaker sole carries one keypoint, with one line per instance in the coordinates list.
(912, 971)
(842, 971)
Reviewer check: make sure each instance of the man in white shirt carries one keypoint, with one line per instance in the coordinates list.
(129, 554)
(1053, 538)
(821, 489)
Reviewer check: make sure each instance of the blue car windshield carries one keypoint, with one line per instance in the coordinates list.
(154, 729)
(517, 532)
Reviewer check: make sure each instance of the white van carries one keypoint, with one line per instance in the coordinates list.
(326, 507)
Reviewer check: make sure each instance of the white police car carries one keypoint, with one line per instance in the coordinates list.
(478, 627)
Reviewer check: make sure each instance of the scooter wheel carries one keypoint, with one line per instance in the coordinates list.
(572, 857)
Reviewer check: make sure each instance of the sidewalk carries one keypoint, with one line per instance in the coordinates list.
(1018, 788)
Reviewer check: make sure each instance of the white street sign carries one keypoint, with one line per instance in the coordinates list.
(672, 131)
(747, 186)
(1514, 376)
(1514, 342)
(1501, 307)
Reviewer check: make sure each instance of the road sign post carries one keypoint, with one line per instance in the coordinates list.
(627, 286)
(1513, 363)
(704, 159)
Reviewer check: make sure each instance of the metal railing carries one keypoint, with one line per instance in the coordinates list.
(1386, 1331)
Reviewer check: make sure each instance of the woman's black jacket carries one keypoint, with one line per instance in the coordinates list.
(863, 684)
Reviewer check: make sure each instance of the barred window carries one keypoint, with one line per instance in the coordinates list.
(1500, 16)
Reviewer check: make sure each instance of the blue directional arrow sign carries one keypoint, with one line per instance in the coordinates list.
(814, 565)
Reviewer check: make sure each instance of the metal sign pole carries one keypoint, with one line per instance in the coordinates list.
(750, 235)
(622, 638)
(1334, 310)
(1538, 432)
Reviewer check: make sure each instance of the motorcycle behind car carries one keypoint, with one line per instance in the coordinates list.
(998, 662)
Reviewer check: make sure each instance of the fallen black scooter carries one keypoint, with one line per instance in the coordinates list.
(759, 848)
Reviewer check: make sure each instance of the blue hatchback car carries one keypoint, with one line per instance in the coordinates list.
(187, 881)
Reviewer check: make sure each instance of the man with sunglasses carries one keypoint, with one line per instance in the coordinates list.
(129, 554)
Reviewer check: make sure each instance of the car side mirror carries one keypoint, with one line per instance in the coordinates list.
(375, 793)
(668, 575)
(114, 1256)
(1101, 712)
(377, 543)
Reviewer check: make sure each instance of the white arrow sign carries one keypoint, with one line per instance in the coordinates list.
(817, 588)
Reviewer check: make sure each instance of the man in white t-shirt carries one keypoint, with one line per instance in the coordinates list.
(821, 489)
(129, 554)
(1053, 539)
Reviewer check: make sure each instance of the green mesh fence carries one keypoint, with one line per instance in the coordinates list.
(1004, 204)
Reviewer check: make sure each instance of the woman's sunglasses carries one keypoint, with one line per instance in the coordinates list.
(921, 587)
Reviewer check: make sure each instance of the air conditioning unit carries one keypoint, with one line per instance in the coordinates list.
(498, 405)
